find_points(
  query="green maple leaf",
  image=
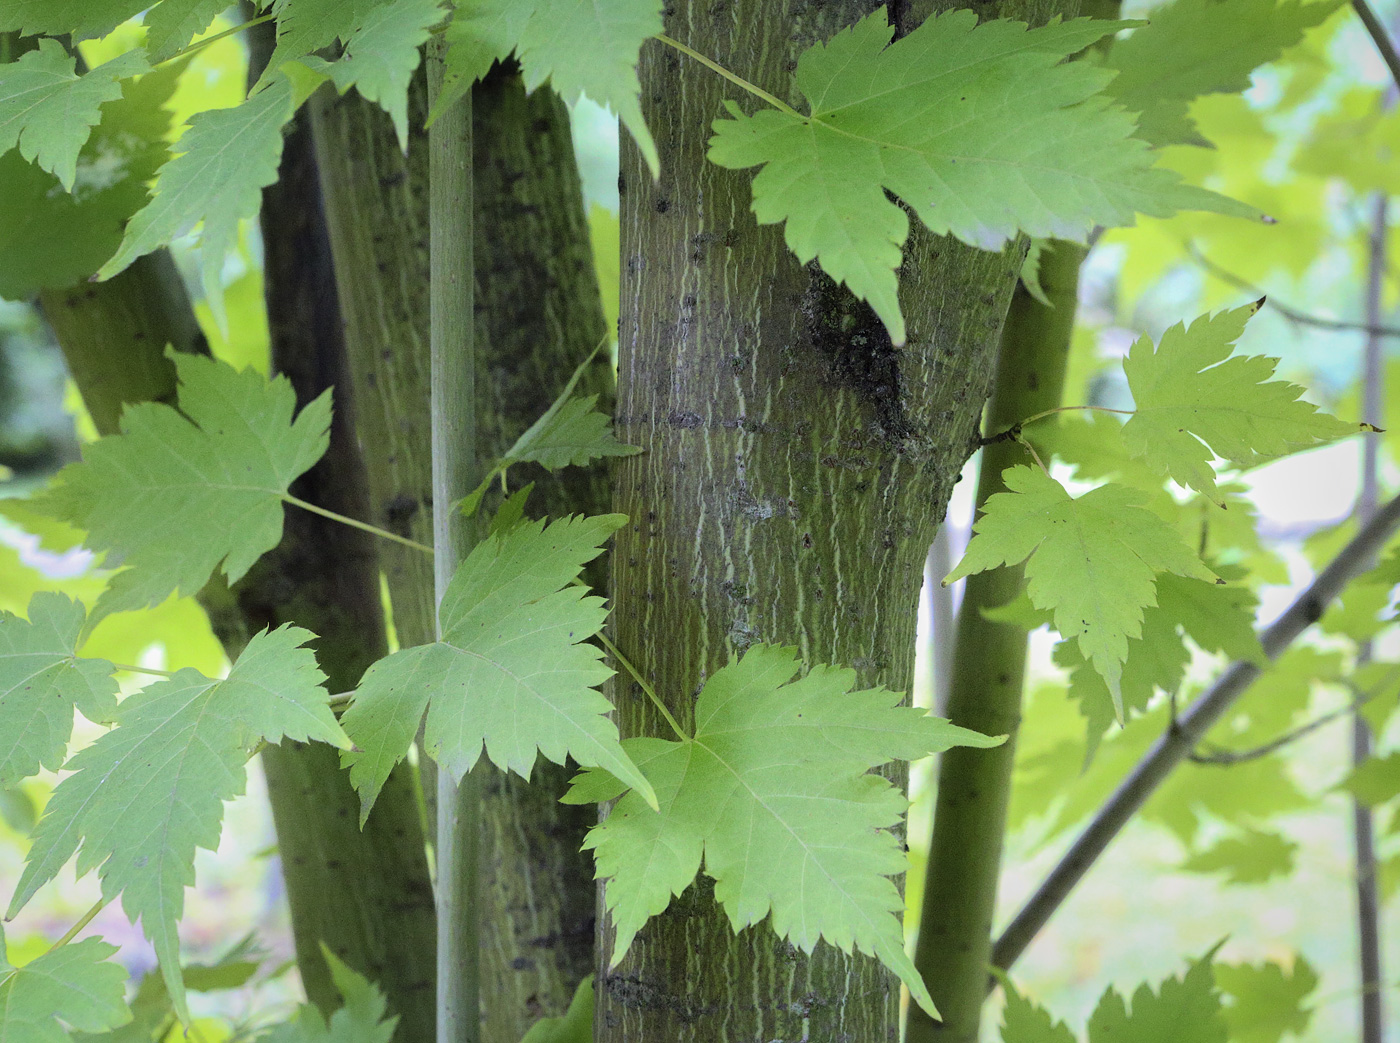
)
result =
(81, 18)
(52, 239)
(172, 24)
(773, 794)
(1197, 47)
(74, 983)
(511, 671)
(306, 26)
(382, 54)
(1376, 781)
(983, 131)
(1093, 560)
(1266, 1002)
(176, 496)
(1194, 401)
(575, 1025)
(1185, 1010)
(360, 1020)
(1251, 857)
(149, 792)
(41, 681)
(1023, 1021)
(580, 46)
(574, 434)
(227, 157)
(48, 110)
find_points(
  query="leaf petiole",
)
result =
(128, 668)
(714, 66)
(83, 921)
(363, 526)
(199, 45)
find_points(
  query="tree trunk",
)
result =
(796, 466)
(964, 865)
(538, 316)
(365, 893)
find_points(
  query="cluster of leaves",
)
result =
(967, 153)
(1266, 1002)
(513, 674)
(1100, 562)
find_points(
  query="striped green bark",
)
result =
(796, 465)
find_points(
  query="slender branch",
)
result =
(1363, 822)
(1174, 744)
(1292, 314)
(714, 66)
(1379, 37)
(1225, 758)
(365, 526)
(83, 921)
(453, 419)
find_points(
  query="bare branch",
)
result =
(1290, 313)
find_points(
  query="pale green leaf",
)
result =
(75, 985)
(228, 156)
(175, 496)
(1195, 401)
(1023, 1021)
(149, 792)
(361, 1020)
(574, 1026)
(172, 24)
(573, 435)
(1196, 47)
(511, 672)
(48, 110)
(52, 239)
(82, 18)
(1093, 560)
(382, 54)
(41, 681)
(1376, 781)
(1251, 857)
(1184, 1010)
(580, 46)
(1265, 1003)
(773, 794)
(983, 131)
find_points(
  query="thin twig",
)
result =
(1292, 314)
(1225, 758)
(143, 670)
(1175, 743)
(1379, 37)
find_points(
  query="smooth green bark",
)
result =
(538, 315)
(452, 367)
(796, 465)
(988, 674)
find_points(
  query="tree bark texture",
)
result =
(538, 314)
(364, 893)
(988, 674)
(796, 466)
